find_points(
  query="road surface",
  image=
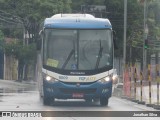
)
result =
(16, 96)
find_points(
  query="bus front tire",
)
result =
(48, 100)
(104, 101)
(88, 100)
(96, 100)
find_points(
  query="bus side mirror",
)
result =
(40, 32)
(115, 40)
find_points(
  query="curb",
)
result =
(141, 102)
(156, 107)
(149, 105)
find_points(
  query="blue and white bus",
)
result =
(76, 60)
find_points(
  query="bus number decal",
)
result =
(63, 77)
(82, 78)
(90, 78)
(87, 78)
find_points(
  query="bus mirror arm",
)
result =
(39, 40)
(115, 40)
(38, 44)
(40, 32)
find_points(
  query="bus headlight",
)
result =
(105, 80)
(50, 79)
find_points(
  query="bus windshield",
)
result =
(77, 49)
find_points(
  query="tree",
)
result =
(154, 19)
(115, 13)
(154, 27)
(1, 40)
(24, 54)
(30, 15)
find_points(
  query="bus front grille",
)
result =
(85, 91)
(82, 83)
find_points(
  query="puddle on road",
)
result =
(6, 91)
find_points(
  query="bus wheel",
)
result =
(104, 101)
(96, 100)
(48, 100)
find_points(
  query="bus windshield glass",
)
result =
(77, 49)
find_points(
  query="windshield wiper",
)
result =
(99, 55)
(68, 58)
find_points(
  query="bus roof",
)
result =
(76, 21)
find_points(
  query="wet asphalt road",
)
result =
(15, 96)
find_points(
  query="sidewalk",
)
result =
(17, 82)
(9, 87)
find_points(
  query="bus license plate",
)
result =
(77, 95)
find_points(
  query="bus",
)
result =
(76, 59)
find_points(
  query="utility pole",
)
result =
(125, 31)
(145, 36)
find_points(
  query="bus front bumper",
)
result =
(61, 90)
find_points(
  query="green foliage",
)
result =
(154, 19)
(1, 40)
(25, 54)
(16, 48)
(31, 13)
(1, 35)
(115, 13)
(26, 16)
(135, 22)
